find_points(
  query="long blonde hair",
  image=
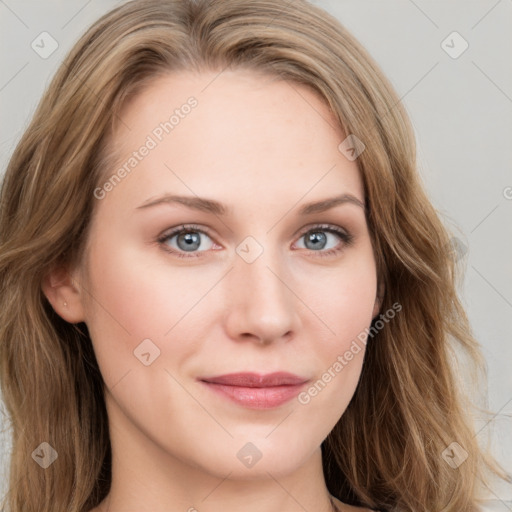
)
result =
(385, 451)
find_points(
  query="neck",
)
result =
(147, 478)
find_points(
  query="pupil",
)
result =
(191, 239)
(317, 239)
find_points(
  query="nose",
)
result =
(262, 306)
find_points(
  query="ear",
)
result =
(62, 290)
(378, 299)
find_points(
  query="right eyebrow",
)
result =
(195, 203)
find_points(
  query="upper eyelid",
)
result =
(207, 231)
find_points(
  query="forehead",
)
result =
(210, 133)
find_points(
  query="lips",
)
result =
(255, 380)
(256, 391)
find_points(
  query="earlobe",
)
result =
(62, 290)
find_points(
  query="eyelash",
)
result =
(346, 237)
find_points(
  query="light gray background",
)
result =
(461, 110)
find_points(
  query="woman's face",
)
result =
(262, 283)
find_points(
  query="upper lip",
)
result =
(255, 380)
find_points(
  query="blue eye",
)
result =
(188, 240)
(316, 239)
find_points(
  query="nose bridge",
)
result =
(262, 303)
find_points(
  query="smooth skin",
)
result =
(263, 148)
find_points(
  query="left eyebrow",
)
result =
(327, 204)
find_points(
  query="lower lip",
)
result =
(257, 398)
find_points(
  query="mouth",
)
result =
(256, 391)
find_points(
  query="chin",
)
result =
(250, 460)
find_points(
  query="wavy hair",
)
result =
(385, 452)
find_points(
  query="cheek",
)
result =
(345, 304)
(137, 296)
(344, 300)
(346, 309)
(130, 301)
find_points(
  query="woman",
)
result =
(222, 284)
